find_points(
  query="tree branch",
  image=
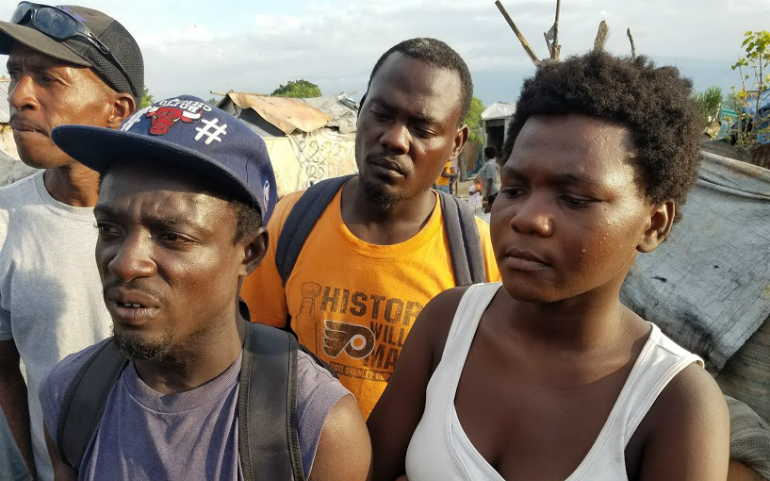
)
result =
(631, 39)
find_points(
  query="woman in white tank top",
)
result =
(547, 376)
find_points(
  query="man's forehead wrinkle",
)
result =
(168, 207)
(33, 58)
(419, 115)
(175, 207)
(431, 108)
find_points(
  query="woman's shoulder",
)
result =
(691, 396)
(687, 427)
(435, 322)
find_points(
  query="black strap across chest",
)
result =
(267, 405)
(459, 225)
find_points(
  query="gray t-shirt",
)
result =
(50, 293)
(12, 467)
(488, 172)
(189, 436)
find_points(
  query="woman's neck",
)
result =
(582, 323)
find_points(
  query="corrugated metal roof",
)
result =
(288, 114)
(5, 114)
(305, 115)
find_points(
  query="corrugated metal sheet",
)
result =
(5, 115)
(287, 114)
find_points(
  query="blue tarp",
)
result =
(764, 113)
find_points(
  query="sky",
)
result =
(197, 46)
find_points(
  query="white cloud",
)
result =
(247, 46)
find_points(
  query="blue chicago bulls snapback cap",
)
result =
(184, 131)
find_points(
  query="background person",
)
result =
(447, 177)
(50, 301)
(488, 174)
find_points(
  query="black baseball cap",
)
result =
(79, 51)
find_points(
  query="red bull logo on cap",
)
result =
(166, 113)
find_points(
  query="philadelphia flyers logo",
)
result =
(357, 341)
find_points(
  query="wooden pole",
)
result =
(601, 36)
(631, 39)
(556, 47)
(521, 38)
(548, 44)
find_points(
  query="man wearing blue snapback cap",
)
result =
(67, 65)
(186, 389)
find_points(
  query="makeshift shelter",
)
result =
(710, 281)
(495, 119)
(11, 168)
(308, 139)
(7, 143)
(708, 285)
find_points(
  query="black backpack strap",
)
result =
(243, 309)
(85, 400)
(267, 406)
(301, 220)
(464, 241)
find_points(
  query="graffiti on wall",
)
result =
(322, 155)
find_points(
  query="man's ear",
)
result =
(123, 105)
(254, 251)
(461, 137)
(660, 222)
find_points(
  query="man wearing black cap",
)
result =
(68, 65)
(184, 192)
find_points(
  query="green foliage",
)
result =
(147, 98)
(754, 71)
(212, 101)
(473, 121)
(709, 102)
(301, 89)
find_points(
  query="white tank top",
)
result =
(440, 449)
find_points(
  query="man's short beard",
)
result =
(137, 349)
(166, 350)
(384, 200)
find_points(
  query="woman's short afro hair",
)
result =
(655, 104)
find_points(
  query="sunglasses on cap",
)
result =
(60, 25)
